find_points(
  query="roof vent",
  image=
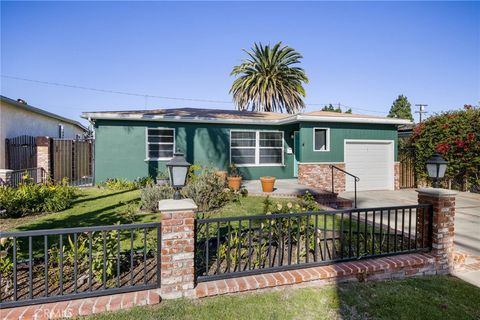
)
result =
(21, 101)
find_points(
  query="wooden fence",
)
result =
(21, 152)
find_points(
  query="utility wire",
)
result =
(112, 91)
(146, 96)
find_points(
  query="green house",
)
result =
(132, 144)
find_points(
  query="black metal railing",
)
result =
(61, 264)
(236, 246)
(31, 175)
(355, 180)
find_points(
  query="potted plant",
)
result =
(234, 179)
(267, 183)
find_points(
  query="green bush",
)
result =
(455, 135)
(207, 190)
(151, 194)
(118, 184)
(31, 198)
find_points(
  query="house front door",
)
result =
(296, 152)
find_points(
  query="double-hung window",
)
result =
(321, 139)
(256, 147)
(160, 143)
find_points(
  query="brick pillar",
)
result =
(178, 243)
(43, 153)
(443, 202)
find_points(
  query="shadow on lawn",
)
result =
(85, 198)
(102, 216)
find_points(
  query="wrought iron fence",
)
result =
(31, 175)
(61, 264)
(235, 246)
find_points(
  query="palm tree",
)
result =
(269, 81)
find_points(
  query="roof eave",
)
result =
(286, 120)
(42, 112)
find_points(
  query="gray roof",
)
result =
(234, 116)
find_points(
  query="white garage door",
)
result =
(372, 162)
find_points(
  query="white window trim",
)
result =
(147, 158)
(257, 149)
(327, 139)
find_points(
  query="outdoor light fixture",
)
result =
(436, 167)
(177, 171)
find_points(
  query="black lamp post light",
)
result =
(436, 167)
(177, 171)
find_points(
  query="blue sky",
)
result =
(361, 54)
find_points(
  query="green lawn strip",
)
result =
(439, 297)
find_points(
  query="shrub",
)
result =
(151, 194)
(207, 190)
(118, 184)
(31, 198)
(304, 203)
(455, 135)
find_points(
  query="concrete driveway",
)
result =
(467, 213)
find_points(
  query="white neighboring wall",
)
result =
(17, 121)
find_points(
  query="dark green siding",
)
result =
(338, 133)
(120, 148)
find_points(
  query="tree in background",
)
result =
(331, 108)
(401, 108)
(456, 136)
(269, 80)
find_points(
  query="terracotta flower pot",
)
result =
(222, 175)
(267, 183)
(234, 183)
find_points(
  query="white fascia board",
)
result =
(353, 120)
(139, 117)
(286, 120)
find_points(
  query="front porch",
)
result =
(292, 188)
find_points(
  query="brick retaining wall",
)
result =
(394, 267)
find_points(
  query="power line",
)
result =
(112, 91)
(147, 96)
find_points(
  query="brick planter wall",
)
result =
(395, 267)
(319, 175)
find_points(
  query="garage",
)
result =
(372, 161)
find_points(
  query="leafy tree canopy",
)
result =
(269, 80)
(401, 108)
(331, 108)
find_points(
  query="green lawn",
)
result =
(97, 207)
(439, 297)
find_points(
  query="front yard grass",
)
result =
(98, 207)
(438, 297)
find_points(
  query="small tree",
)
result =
(401, 108)
(456, 136)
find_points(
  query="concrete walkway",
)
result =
(282, 188)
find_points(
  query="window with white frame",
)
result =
(321, 139)
(256, 147)
(160, 143)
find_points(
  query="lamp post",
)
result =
(177, 171)
(436, 167)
